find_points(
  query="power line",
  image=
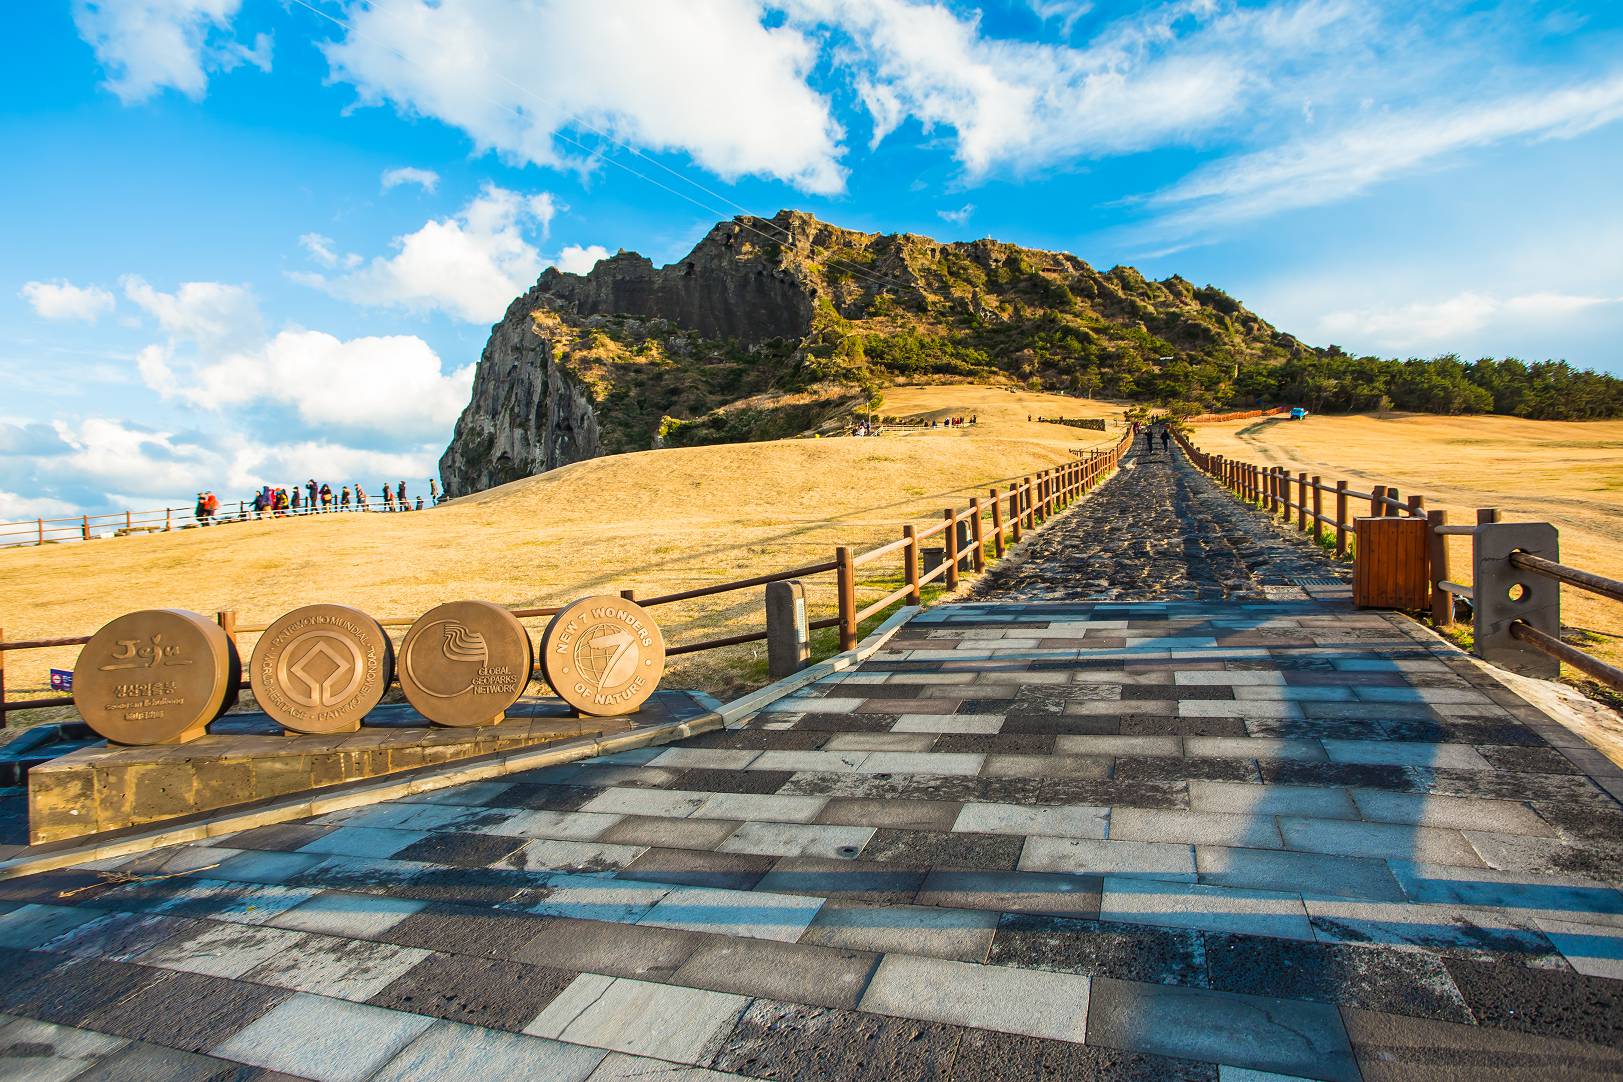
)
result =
(856, 269)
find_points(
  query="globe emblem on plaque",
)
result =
(607, 655)
(461, 651)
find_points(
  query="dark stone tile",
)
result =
(465, 886)
(1354, 775)
(804, 973)
(1170, 768)
(545, 797)
(66, 887)
(1394, 1048)
(1507, 785)
(996, 743)
(1127, 792)
(761, 782)
(618, 950)
(1529, 760)
(1506, 735)
(903, 814)
(1550, 1003)
(479, 932)
(19, 968)
(698, 868)
(881, 691)
(660, 833)
(753, 739)
(1157, 725)
(1043, 893)
(846, 880)
(921, 787)
(790, 1043)
(1136, 952)
(985, 1056)
(939, 849)
(490, 992)
(993, 789)
(1291, 1037)
(188, 1011)
(845, 723)
(1591, 820)
(1402, 982)
(461, 850)
(985, 706)
(281, 837)
(1061, 725)
(74, 992)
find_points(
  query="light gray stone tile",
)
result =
(756, 914)
(1080, 856)
(1595, 950)
(1055, 821)
(826, 761)
(562, 825)
(222, 950)
(1118, 745)
(937, 763)
(948, 723)
(1459, 813)
(324, 1039)
(619, 1067)
(921, 930)
(914, 742)
(1047, 766)
(1029, 1002)
(1555, 897)
(345, 968)
(29, 926)
(670, 803)
(797, 840)
(1194, 827)
(591, 897)
(1305, 873)
(1405, 753)
(1223, 708)
(1220, 678)
(34, 1051)
(358, 916)
(547, 854)
(1243, 798)
(1427, 927)
(374, 842)
(761, 806)
(663, 1021)
(453, 1050)
(1205, 908)
(1427, 845)
(705, 758)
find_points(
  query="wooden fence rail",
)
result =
(1021, 507)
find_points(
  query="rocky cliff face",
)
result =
(769, 325)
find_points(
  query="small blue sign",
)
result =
(61, 679)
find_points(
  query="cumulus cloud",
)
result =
(212, 316)
(470, 265)
(149, 45)
(323, 250)
(575, 259)
(1428, 323)
(14, 507)
(65, 301)
(709, 79)
(959, 216)
(426, 179)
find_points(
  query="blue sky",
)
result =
(250, 241)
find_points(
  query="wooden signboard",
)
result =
(1390, 569)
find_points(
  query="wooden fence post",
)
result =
(1014, 512)
(997, 525)
(1417, 506)
(1318, 508)
(2, 681)
(1442, 602)
(227, 619)
(1301, 501)
(910, 553)
(84, 527)
(845, 574)
(1377, 507)
(1341, 518)
(975, 537)
(168, 519)
(1393, 499)
(950, 539)
(1487, 515)
(40, 524)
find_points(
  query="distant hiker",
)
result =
(201, 511)
(388, 498)
(211, 504)
(326, 497)
(312, 487)
(419, 503)
(295, 503)
(400, 495)
(259, 504)
(1149, 441)
(343, 499)
(433, 490)
(1165, 439)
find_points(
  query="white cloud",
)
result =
(426, 179)
(470, 265)
(575, 259)
(959, 216)
(212, 316)
(64, 300)
(323, 250)
(148, 45)
(1427, 324)
(706, 78)
(1317, 170)
(14, 507)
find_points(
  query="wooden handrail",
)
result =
(1610, 675)
(1572, 576)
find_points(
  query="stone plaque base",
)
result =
(108, 787)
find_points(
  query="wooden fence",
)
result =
(1243, 415)
(1303, 500)
(41, 531)
(995, 522)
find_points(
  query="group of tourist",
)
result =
(315, 497)
(953, 422)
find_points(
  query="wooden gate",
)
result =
(1390, 566)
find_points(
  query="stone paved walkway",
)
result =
(1158, 529)
(1187, 839)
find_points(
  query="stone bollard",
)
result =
(788, 636)
(934, 557)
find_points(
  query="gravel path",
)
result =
(1157, 530)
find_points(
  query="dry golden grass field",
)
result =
(654, 521)
(1569, 473)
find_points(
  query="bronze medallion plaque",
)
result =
(603, 655)
(321, 668)
(155, 677)
(465, 663)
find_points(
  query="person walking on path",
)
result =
(1166, 439)
(343, 499)
(400, 496)
(360, 496)
(388, 498)
(433, 491)
(1149, 441)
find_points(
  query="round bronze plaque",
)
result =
(321, 668)
(603, 655)
(465, 663)
(155, 677)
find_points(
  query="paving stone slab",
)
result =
(1235, 798)
(802, 972)
(753, 914)
(670, 1022)
(617, 950)
(455, 1050)
(1548, 1002)
(1099, 949)
(1207, 908)
(479, 932)
(794, 1041)
(1036, 1004)
(1057, 894)
(922, 847)
(698, 868)
(1079, 856)
(1395, 1048)
(545, 854)
(1431, 845)
(489, 992)
(345, 968)
(46, 1052)
(324, 1039)
(1306, 873)
(937, 815)
(1051, 821)
(850, 880)
(797, 840)
(924, 931)
(185, 1011)
(1438, 928)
